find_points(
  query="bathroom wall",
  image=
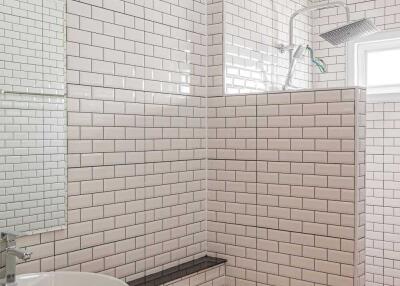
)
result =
(215, 49)
(252, 31)
(382, 200)
(136, 78)
(285, 199)
(278, 208)
(385, 14)
(381, 236)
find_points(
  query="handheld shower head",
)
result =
(299, 53)
(349, 32)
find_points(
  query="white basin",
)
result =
(67, 279)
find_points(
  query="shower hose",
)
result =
(317, 61)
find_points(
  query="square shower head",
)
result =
(350, 32)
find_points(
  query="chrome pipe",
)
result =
(305, 10)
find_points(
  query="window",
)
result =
(383, 68)
(374, 63)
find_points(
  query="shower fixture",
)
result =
(342, 34)
(298, 54)
(349, 32)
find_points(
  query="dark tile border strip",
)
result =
(178, 271)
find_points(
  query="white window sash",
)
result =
(357, 59)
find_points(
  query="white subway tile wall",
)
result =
(252, 31)
(282, 169)
(384, 13)
(215, 49)
(33, 148)
(32, 49)
(374, 200)
(282, 187)
(174, 179)
(136, 76)
(382, 204)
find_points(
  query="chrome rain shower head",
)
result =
(350, 32)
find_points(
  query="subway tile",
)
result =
(112, 120)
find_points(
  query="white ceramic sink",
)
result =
(67, 279)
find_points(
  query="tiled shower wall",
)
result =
(383, 202)
(252, 31)
(360, 187)
(136, 78)
(136, 109)
(374, 201)
(254, 28)
(283, 187)
(385, 14)
(215, 49)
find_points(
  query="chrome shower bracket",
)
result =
(284, 48)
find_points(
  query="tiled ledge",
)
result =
(177, 272)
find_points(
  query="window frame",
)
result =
(357, 69)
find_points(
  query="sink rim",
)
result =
(54, 274)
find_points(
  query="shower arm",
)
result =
(310, 9)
